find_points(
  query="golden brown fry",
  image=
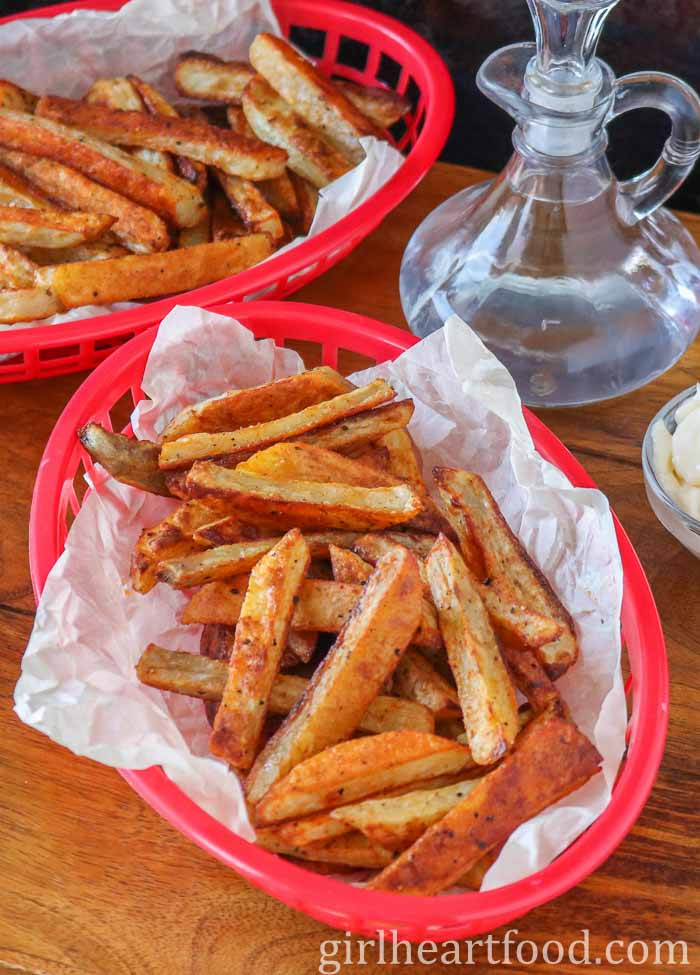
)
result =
(310, 830)
(416, 680)
(152, 275)
(261, 636)
(349, 433)
(351, 770)
(257, 404)
(97, 250)
(307, 200)
(152, 187)
(281, 195)
(308, 504)
(16, 191)
(50, 228)
(302, 644)
(397, 821)
(171, 538)
(190, 447)
(382, 106)
(402, 461)
(276, 123)
(204, 677)
(155, 103)
(206, 76)
(230, 560)
(16, 269)
(485, 690)
(27, 305)
(223, 531)
(353, 849)
(189, 137)
(552, 759)
(133, 462)
(507, 562)
(139, 229)
(251, 206)
(12, 96)
(120, 93)
(348, 567)
(532, 681)
(319, 102)
(362, 658)
(302, 461)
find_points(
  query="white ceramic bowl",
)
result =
(678, 522)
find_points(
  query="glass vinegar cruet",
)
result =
(583, 286)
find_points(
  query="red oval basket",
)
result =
(51, 350)
(336, 903)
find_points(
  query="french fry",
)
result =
(223, 531)
(12, 96)
(133, 462)
(204, 677)
(277, 124)
(319, 102)
(485, 690)
(308, 504)
(171, 538)
(96, 250)
(302, 643)
(16, 269)
(416, 680)
(323, 606)
(551, 760)
(50, 228)
(353, 849)
(207, 77)
(251, 206)
(302, 461)
(281, 194)
(349, 433)
(139, 229)
(355, 769)
(152, 187)
(233, 154)
(402, 462)
(261, 636)
(307, 201)
(396, 822)
(152, 275)
(531, 679)
(348, 567)
(308, 831)
(350, 677)
(195, 446)
(155, 103)
(225, 222)
(16, 191)
(257, 404)
(506, 561)
(225, 561)
(120, 93)
(27, 305)
(382, 106)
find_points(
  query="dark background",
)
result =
(662, 35)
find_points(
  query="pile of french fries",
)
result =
(362, 642)
(123, 196)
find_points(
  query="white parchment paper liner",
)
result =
(78, 683)
(63, 55)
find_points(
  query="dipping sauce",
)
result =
(677, 456)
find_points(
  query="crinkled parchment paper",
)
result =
(78, 683)
(63, 55)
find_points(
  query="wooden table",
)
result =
(95, 883)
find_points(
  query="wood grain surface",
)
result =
(95, 883)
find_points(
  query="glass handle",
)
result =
(641, 195)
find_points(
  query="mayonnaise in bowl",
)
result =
(676, 455)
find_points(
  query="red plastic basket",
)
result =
(394, 52)
(336, 903)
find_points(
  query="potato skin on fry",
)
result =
(350, 433)
(50, 228)
(551, 760)
(257, 404)
(382, 106)
(261, 636)
(342, 688)
(205, 76)
(152, 275)
(131, 461)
